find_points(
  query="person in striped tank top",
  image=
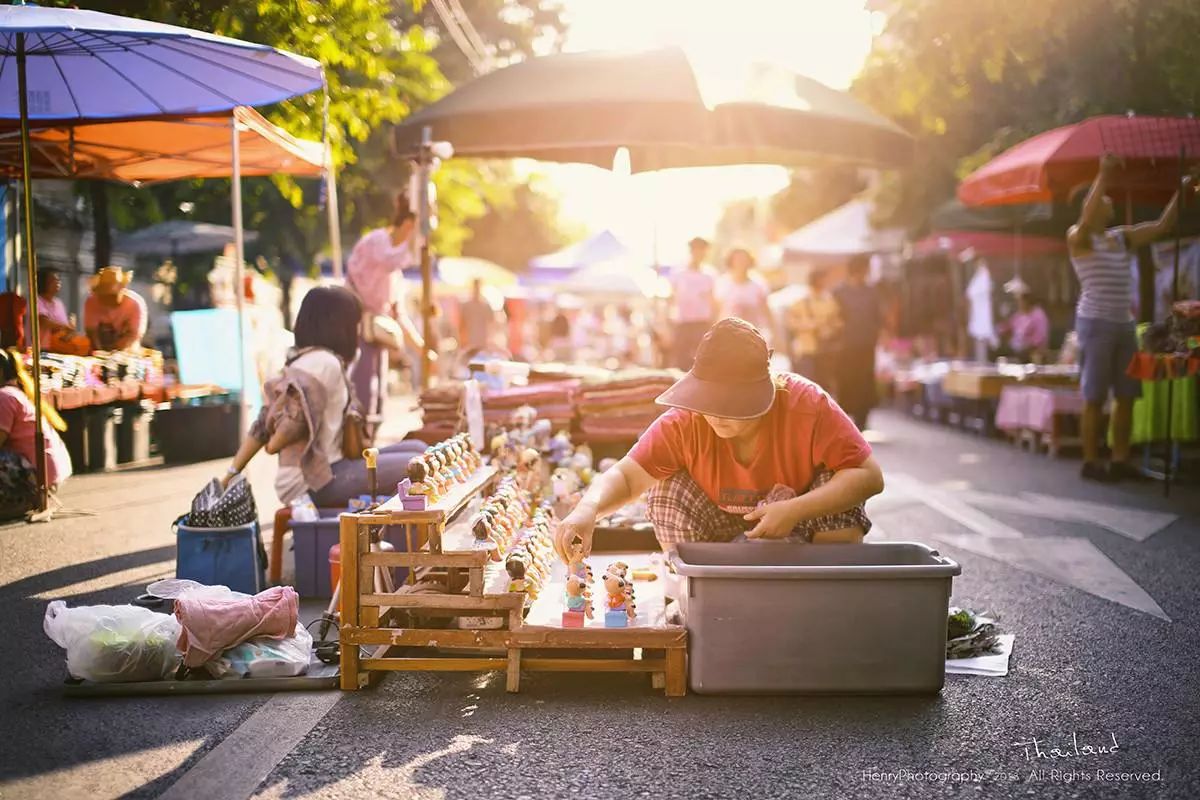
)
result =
(1103, 260)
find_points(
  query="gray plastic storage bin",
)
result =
(769, 617)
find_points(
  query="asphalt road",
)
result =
(1084, 666)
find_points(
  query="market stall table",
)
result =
(1041, 416)
(493, 631)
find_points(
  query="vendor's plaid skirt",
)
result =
(681, 512)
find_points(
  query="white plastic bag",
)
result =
(175, 588)
(263, 657)
(114, 644)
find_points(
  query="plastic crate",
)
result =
(311, 542)
(221, 556)
(771, 617)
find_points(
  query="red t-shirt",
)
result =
(805, 428)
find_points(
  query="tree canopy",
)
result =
(972, 78)
(382, 60)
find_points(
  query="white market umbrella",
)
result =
(67, 65)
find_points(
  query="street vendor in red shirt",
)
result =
(741, 453)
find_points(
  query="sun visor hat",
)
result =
(731, 376)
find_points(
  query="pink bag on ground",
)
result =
(212, 625)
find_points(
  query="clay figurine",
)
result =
(516, 574)
(577, 605)
(418, 477)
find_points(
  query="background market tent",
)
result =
(157, 150)
(617, 280)
(846, 231)
(599, 248)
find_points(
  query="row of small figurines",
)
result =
(440, 467)
(620, 607)
(502, 515)
(530, 558)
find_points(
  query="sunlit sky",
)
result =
(824, 39)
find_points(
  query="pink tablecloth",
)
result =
(1034, 407)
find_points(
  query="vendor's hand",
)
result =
(775, 520)
(579, 524)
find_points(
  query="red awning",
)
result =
(149, 151)
(1058, 164)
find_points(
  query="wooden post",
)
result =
(513, 680)
(348, 534)
(368, 616)
(676, 672)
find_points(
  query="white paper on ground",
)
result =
(995, 665)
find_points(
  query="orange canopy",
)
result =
(149, 151)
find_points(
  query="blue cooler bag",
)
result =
(221, 556)
(219, 542)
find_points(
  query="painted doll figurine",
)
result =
(470, 456)
(516, 574)
(620, 609)
(577, 567)
(418, 474)
(529, 471)
(577, 606)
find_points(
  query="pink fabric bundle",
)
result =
(211, 626)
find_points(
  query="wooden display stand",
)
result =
(535, 642)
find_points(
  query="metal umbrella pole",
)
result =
(425, 229)
(1168, 457)
(239, 246)
(39, 437)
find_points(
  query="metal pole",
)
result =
(424, 228)
(1168, 456)
(335, 224)
(239, 280)
(39, 439)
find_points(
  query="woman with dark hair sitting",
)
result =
(18, 456)
(306, 406)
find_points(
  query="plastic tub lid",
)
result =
(784, 560)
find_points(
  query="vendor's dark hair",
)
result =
(329, 317)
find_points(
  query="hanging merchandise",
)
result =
(114, 644)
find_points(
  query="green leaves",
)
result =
(968, 77)
(382, 60)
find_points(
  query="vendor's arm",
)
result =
(848, 488)
(1089, 214)
(248, 449)
(622, 483)
(1149, 232)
